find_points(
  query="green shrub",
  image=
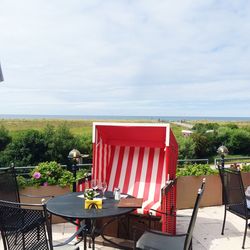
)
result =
(51, 173)
(196, 170)
(203, 127)
(245, 168)
(28, 147)
(82, 174)
(186, 148)
(59, 141)
(5, 138)
(23, 182)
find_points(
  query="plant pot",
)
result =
(246, 178)
(187, 188)
(95, 203)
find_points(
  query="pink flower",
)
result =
(45, 184)
(36, 175)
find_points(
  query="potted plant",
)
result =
(90, 200)
(90, 194)
(48, 178)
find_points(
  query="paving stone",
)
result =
(207, 232)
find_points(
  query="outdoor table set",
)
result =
(71, 207)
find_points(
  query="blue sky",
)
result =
(127, 57)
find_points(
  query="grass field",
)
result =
(240, 124)
(81, 127)
(77, 127)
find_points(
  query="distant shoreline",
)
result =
(117, 117)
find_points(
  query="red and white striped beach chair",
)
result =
(139, 159)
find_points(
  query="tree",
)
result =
(232, 125)
(223, 136)
(5, 138)
(27, 148)
(86, 144)
(186, 148)
(203, 127)
(239, 142)
(201, 145)
(59, 142)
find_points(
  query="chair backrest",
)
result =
(232, 185)
(24, 226)
(8, 185)
(168, 194)
(194, 216)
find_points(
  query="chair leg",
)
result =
(223, 226)
(134, 239)
(191, 245)
(85, 241)
(245, 234)
(93, 243)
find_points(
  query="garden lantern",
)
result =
(222, 151)
(74, 156)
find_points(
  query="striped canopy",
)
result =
(138, 158)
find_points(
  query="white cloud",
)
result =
(125, 57)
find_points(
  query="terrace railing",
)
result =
(25, 170)
(233, 160)
(192, 161)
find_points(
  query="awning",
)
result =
(132, 134)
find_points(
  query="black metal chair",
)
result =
(234, 197)
(8, 185)
(156, 240)
(9, 190)
(26, 226)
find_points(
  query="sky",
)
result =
(125, 57)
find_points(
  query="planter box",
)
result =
(246, 179)
(187, 187)
(46, 191)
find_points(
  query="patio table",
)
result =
(71, 207)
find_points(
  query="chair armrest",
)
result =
(166, 234)
(37, 196)
(81, 228)
(44, 198)
(169, 185)
(174, 215)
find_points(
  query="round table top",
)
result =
(71, 206)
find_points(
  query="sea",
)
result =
(119, 117)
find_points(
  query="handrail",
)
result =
(85, 165)
(194, 160)
(216, 160)
(25, 170)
